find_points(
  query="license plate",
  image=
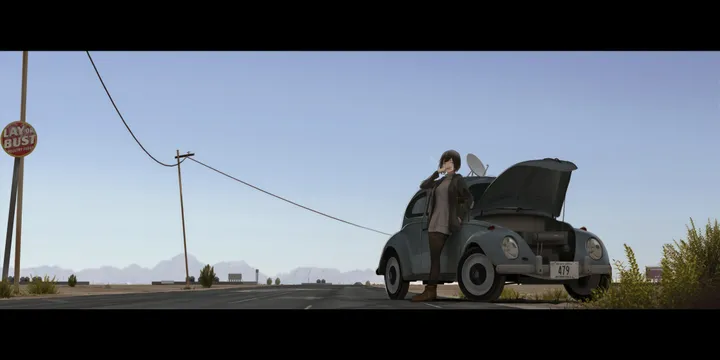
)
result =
(564, 270)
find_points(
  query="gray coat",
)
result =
(458, 195)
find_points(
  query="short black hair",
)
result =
(451, 155)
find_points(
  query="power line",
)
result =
(210, 167)
(286, 200)
(120, 114)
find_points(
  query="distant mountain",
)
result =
(174, 269)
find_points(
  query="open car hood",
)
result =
(534, 185)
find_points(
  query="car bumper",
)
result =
(543, 271)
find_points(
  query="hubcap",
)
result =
(478, 274)
(392, 275)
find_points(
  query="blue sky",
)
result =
(351, 134)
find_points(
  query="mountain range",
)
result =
(174, 269)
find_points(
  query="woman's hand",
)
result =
(446, 166)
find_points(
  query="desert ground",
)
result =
(83, 290)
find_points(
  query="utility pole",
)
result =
(16, 192)
(21, 170)
(11, 220)
(182, 214)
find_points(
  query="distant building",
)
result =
(653, 273)
(234, 277)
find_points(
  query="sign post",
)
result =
(11, 221)
(18, 140)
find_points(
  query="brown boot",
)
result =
(429, 294)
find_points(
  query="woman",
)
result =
(450, 201)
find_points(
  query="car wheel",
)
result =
(395, 287)
(583, 289)
(477, 278)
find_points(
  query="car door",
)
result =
(448, 260)
(424, 245)
(414, 216)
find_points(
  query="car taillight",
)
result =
(583, 228)
(491, 227)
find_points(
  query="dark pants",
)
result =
(437, 242)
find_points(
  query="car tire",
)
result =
(395, 287)
(477, 277)
(582, 289)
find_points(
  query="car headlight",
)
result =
(510, 248)
(594, 249)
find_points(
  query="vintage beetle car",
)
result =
(511, 235)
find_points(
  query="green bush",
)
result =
(42, 286)
(367, 283)
(691, 267)
(690, 274)
(207, 276)
(277, 281)
(72, 280)
(6, 290)
(269, 281)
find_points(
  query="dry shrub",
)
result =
(510, 294)
(42, 286)
(72, 280)
(553, 296)
(6, 290)
(690, 277)
(207, 276)
(632, 291)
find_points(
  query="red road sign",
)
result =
(18, 139)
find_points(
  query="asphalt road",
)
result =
(281, 297)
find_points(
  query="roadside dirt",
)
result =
(84, 290)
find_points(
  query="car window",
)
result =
(477, 191)
(417, 205)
